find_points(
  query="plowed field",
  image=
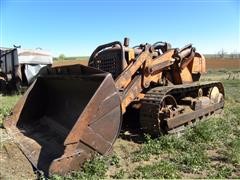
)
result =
(211, 63)
(223, 63)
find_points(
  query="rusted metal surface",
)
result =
(65, 116)
(148, 62)
(70, 112)
(184, 118)
(155, 122)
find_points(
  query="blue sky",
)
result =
(76, 27)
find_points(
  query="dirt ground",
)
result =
(69, 62)
(13, 163)
(215, 63)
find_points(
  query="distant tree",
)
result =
(222, 53)
(61, 57)
(235, 54)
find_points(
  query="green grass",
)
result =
(193, 160)
(120, 174)
(6, 105)
(92, 169)
(95, 168)
(162, 169)
(222, 74)
(158, 146)
(221, 172)
(233, 151)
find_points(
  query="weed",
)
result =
(233, 151)
(95, 168)
(221, 172)
(158, 170)
(204, 132)
(151, 147)
(114, 160)
(56, 177)
(119, 175)
(158, 146)
(193, 160)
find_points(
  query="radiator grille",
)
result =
(110, 62)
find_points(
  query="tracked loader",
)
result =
(71, 112)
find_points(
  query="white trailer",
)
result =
(18, 67)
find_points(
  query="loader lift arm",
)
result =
(149, 70)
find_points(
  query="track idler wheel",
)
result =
(215, 95)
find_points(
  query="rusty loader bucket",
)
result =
(67, 114)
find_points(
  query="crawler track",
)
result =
(150, 117)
